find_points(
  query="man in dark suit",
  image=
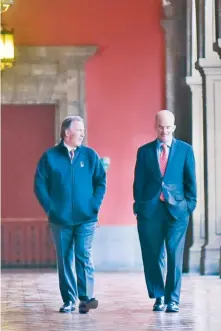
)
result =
(165, 195)
(70, 184)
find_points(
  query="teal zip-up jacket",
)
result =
(70, 192)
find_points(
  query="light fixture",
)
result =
(5, 4)
(7, 54)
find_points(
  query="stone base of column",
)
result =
(210, 258)
(194, 259)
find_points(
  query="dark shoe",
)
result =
(67, 307)
(85, 306)
(172, 307)
(159, 305)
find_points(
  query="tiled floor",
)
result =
(31, 299)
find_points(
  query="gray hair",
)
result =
(67, 123)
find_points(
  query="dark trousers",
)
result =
(155, 234)
(73, 251)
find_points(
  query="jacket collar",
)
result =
(62, 145)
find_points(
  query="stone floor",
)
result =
(30, 301)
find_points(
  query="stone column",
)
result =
(217, 45)
(168, 24)
(194, 81)
(218, 49)
(177, 92)
(211, 73)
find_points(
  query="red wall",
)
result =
(125, 79)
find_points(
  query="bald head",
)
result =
(165, 126)
(165, 115)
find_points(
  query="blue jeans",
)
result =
(73, 245)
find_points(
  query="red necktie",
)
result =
(163, 164)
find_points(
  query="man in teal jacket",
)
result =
(70, 184)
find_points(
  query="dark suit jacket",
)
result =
(178, 184)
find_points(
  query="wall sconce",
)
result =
(5, 5)
(7, 53)
(106, 162)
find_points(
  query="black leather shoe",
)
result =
(172, 307)
(85, 306)
(67, 307)
(159, 305)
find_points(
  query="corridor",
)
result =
(31, 299)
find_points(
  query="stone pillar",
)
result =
(178, 94)
(168, 23)
(217, 45)
(211, 73)
(218, 49)
(194, 81)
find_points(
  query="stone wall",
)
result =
(53, 75)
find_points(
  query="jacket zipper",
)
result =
(72, 195)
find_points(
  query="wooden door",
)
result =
(26, 131)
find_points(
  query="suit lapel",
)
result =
(171, 156)
(153, 152)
